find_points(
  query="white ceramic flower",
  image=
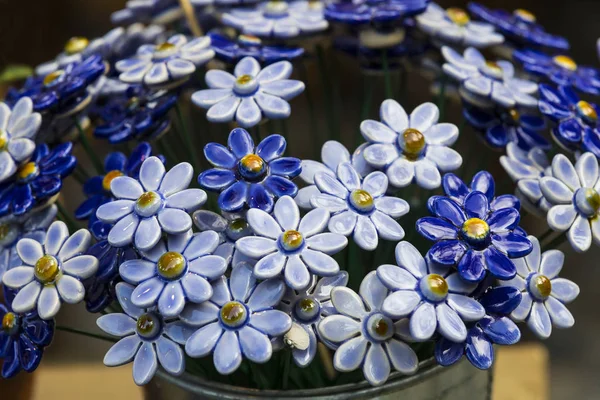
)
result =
(51, 273)
(290, 245)
(156, 202)
(414, 148)
(18, 129)
(359, 207)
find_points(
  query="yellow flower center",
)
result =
(166, 46)
(27, 170)
(146, 199)
(543, 285)
(414, 143)
(148, 325)
(586, 111)
(52, 76)
(252, 163)
(243, 79)
(9, 322)
(108, 178)
(4, 231)
(46, 269)
(238, 225)
(291, 240)
(593, 198)
(362, 200)
(475, 228)
(458, 16)
(171, 265)
(3, 140)
(515, 116)
(76, 45)
(233, 313)
(565, 62)
(307, 305)
(437, 284)
(493, 65)
(525, 15)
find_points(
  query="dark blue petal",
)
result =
(447, 252)
(430, 202)
(271, 147)
(497, 136)
(219, 156)
(234, 197)
(93, 186)
(435, 229)
(528, 139)
(512, 244)
(483, 182)
(286, 166)
(501, 300)
(45, 186)
(216, 179)
(136, 158)
(40, 332)
(568, 94)
(505, 201)
(61, 166)
(240, 142)
(501, 330)
(258, 197)
(115, 161)
(478, 118)
(554, 111)
(569, 132)
(23, 199)
(99, 229)
(448, 352)
(88, 207)
(479, 349)
(446, 208)
(5, 344)
(591, 141)
(471, 266)
(11, 365)
(30, 355)
(454, 187)
(505, 219)
(60, 151)
(549, 94)
(476, 205)
(280, 186)
(499, 264)
(532, 122)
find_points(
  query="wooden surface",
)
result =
(521, 373)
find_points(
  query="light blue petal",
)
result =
(202, 243)
(227, 356)
(377, 365)
(559, 314)
(55, 237)
(115, 210)
(124, 187)
(117, 324)
(170, 356)
(197, 289)
(255, 345)
(402, 356)
(286, 89)
(539, 321)
(198, 315)
(248, 113)
(145, 364)
(204, 340)
(70, 289)
(338, 328)
(171, 300)
(266, 295)
(247, 66)
(209, 97)
(174, 221)
(124, 292)
(82, 267)
(123, 351)
(272, 106)
(224, 110)
(271, 322)
(274, 72)
(146, 294)
(350, 355)
(219, 79)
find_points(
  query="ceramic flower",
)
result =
(249, 94)
(485, 83)
(367, 337)
(166, 65)
(238, 322)
(434, 299)
(520, 26)
(308, 307)
(32, 225)
(577, 127)
(285, 244)
(495, 328)
(573, 192)
(376, 12)
(454, 26)
(162, 12)
(175, 272)
(38, 181)
(18, 129)
(247, 176)
(560, 69)
(146, 339)
(358, 206)
(411, 148)
(233, 50)
(544, 294)
(51, 274)
(23, 337)
(278, 18)
(474, 238)
(156, 202)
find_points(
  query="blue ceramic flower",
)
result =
(38, 181)
(238, 322)
(501, 127)
(411, 149)
(359, 206)
(23, 338)
(174, 272)
(486, 83)
(32, 225)
(249, 94)
(146, 339)
(520, 26)
(493, 329)
(161, 12)
(367, 337)
(373, 11)
(232, 51)
(573, 192)
(544, 294)
(156, 202)
(560, 69)
(166, 65)
(247, 176)
(18, 129)
(473, 237)
(307, 308)
(577, 126)
(433, 298)
(454, 26)
(289, 246)
(51, 274)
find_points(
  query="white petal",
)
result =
(48, 303)
(347, 302)
(263, 224)
(424, 117)
(286, 213)
(365, 234)
(338, 328)
(423, 322)
(70, 289)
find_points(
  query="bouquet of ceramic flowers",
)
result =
(221, 265)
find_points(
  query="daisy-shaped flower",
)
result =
(23, 337)
(454, 26)
(560, 69)
(433, 298)
(376, 12)
(367, 336)
(174, 272)
(577, 127)
(38, 181)
(288, 245)
(308, 307)
(359, 207)
(238, 321)
(161, 12)
(544, 294)
(278, 18)
(411, 148)
(247, 176)
(166, 65)
(156, 202)
(32, 225)
(573, 191)
(520, 26)
(51, 274)
(249, 94)
(232, 50)
(474, 238)
(146, 339)
(485, 83)
(18, 129)
(495, 328)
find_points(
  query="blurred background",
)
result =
(32, 32)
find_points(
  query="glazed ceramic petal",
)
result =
(338, 328)
(350, 355)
